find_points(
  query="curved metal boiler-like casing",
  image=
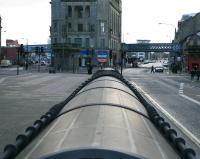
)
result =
(102, 124)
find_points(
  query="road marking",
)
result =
(178, 124)
(190, 99)
(2, 79)
(180, 91)
(186, 97)
(181, 88)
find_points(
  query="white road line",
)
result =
(190, 99)
(179, 125)
(181, 88)
(186, 97)
(181, 85)
(2, 79)
(180, 91)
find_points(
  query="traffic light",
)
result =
(42, 50)
(21, 49)
(110, 54)
(36, 50)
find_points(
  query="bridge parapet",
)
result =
(152, 47)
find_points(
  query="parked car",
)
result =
(43, 63)
(165, 63)
(159, 69)
(5, 63)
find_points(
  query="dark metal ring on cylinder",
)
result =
(179, 143)
(188, 153)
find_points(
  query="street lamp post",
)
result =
(174, 27)
(27, 54)
(19, 52)
(0, 36)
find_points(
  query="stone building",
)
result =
(81, 28)
(188, 35)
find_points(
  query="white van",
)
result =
(5, 63)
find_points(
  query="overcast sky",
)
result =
(30, 19)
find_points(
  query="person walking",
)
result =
(198, 74)
(152, 69)
(192, 73)
(26, 66)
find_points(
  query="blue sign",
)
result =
(84, 52)
(102, 54)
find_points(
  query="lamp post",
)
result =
(123, 39)
(0, 36)
(174, 27)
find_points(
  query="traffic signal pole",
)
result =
(39, 51)
(20, 52)
(18, 63)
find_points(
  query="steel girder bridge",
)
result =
(152, 47)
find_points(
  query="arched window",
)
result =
(69, 11)
(79, 12)
(87, 11)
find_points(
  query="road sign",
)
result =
(102, 56)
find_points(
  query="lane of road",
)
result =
(24, 98)
(176, 96)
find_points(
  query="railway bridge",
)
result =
(151, 47)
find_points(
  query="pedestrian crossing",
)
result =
(181, 88)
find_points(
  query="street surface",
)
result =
(24, 98)
(175, 96)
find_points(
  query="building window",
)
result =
(79, 11)
(69, 40)
(55, 27)
(69, 26)
(64, 30)
(88, 27)
(102, 44)
(92, 28)
(87, 11)
(87, 42)
(80, 27)
(78, 41)
(55, 40)
(102, 27)
(69, 11)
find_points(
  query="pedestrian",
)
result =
(59, 67)
(152, 69)
(198, 74)
(26, 66)
(89, 67)
(192, 73)
(101, 65)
